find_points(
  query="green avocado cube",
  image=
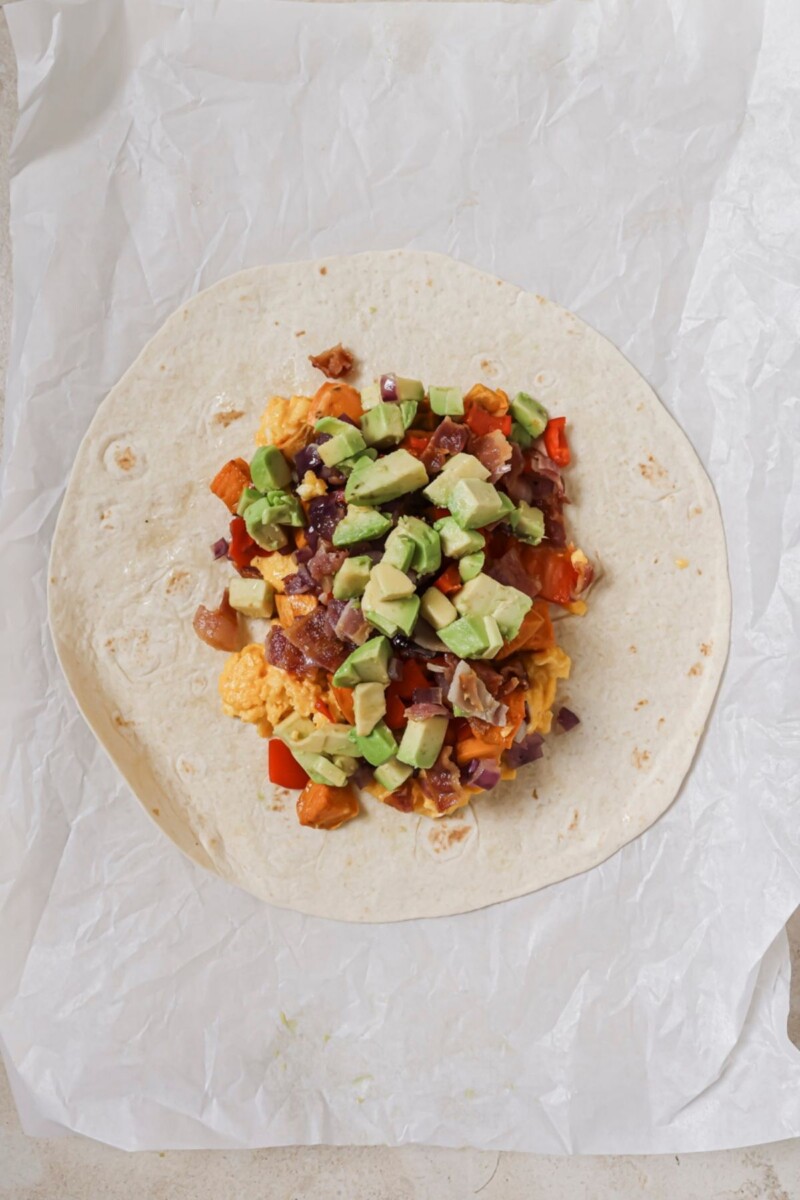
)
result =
(399, 549)
(294, 729)
(264, 532)
(370, 396)
(529, 413)
(408, 389)
(436, 609)
(520, 435)
(360, 525)
(460, 466)
(422, 741)
(357, 462)
(269, 469)
(383, 425)
(342, 445)
(369, 703)
(408, 411)
(369, 662)
(392, 774)
(471, 565)
(456, 542)
(388, 583)
(251, 597)
(446, 401)
(333, 426)
(387, 478)
(376, 747)
(494, 638)
(346, 762)
(475, 503)
(283, 508)
(528, 523)
(248, 497)
(467, 637)
(427, 544)
(352, 577)
(320, 769)
(391, 616)
(484, 596)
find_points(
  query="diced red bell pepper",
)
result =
(436, 514)
(242, 549)
(284, 769)
(415, 442)
(480, 421)
(413, 677)
(450, 580)
(555, 571)
(555, 441)
(395, 709)
(322, 707)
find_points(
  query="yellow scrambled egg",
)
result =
(545, 668)
(255, 691)
(285, 424)
(274, 568)
(311, 486)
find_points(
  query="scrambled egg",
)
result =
(285, 424)
(311, 486)
(260, 694)
(275, 567)
(545, 668)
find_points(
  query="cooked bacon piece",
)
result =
(315, 639)
(442, 783)
(350, 623)
(281, 653)
(494, 451)
(510, 570)
(218, 627)
(334, 362)
(448, 440)
(325, 807)
(469, 693)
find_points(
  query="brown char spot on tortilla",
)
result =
(640, 758)
(705, 648)
(125, 459)
(228, 417)
(695, 669)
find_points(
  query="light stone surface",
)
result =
(79, 1169)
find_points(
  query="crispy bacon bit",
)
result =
(442, 783)
(510, 570)
(402, 799)
(351, 625)
(448, 440)
(471, 695)
(218, 627)
(334, 363)
(314, 637)
(281, 653)
(494, 451)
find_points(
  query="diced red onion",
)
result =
(307, 459)
(220, 548)
(432, 695)
(388, 387)
(524, 752)
(301, 583)
(566, 719)
(363, 776)
(483, 773)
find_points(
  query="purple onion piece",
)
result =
(307, 459)
(304, 554)
(300, 584)
(432, 695)
(220, 548)
(483, 773)
(566, 719)
(524, 752)
(388, 387)
(363, 776)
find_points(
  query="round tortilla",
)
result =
(131, 561)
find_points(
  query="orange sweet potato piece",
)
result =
(325, 807)
(291, 607)
(335, 400)
(230, 482)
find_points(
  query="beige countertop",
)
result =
(75, 1168)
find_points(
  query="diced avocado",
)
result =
(391, 616)
(383, 425)
(320, 769)
(253, 597)
(248, 497)
(456, 542)
(370, 396)
(508, 505)
(346, 763)
(529, 413)
(427, 556)
(293, 728)
(336, 738)
(528, 523)
(283, 508)
(408, 389)
(352, 577)
(422, 741)
(267, 535)
(408, 411)
(333, 426)
(369, 702)
(484, 596)
(467, 637)
(446, 401)
(300, 734)
(369, 663)
(494, 637)
(342, 445)
(388, 583)
(269, 469)
(378, 746)
(471, 565)
(520, 435)
(460, 466)
(360, 525)
(436, 609)
(474, 503)
(357, 462)
(392, 774)
(386, 479)
(399, 549)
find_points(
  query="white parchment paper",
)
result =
(634, 162)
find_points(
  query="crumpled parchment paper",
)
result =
(634, 162)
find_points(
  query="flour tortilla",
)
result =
(131, 561)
